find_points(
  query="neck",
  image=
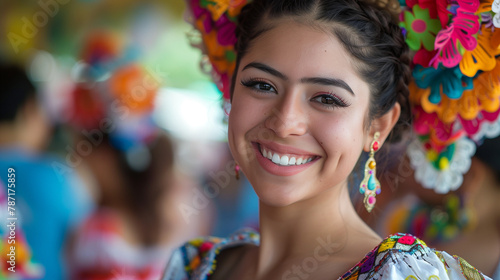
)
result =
(298, 230)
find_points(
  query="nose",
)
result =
(288, 117)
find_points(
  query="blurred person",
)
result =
(465, 222)
(138, 221)
(141, 192)
(48, 203)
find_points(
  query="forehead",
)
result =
(300, 50)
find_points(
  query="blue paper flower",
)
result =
(449, 81)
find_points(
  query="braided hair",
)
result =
(368, 30)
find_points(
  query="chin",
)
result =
(278, 196)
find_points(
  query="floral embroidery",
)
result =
(469, 272)
(432, 277)
(378, 257)
(394, 249)
(407, 240)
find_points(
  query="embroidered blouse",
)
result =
(400, 256)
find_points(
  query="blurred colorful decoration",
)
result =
(22, 29)
(129, 84)
(114, 262)
(455, 90)
(216, 22)
(435, 223)
(115, 93)
(17, 263)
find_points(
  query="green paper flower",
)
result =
(421, 28)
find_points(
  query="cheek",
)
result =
(242, 119)
(342, 140)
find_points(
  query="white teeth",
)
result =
(269, 155)
(276, 158)
(284, 160)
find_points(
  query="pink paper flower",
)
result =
(462, 29)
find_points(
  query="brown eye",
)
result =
(259, 86)
(264, 87)
(327, 99)
(330, 100)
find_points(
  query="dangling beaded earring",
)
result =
(237, 171)
(370, 186)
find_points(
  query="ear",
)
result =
(383, 125)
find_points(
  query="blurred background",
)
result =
(116, 137)
(113, 150)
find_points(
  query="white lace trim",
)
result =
(488, 130)
(495, 8)
(445, 180)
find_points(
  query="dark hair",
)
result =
(15, 91)
(489, 153)
(368, 32)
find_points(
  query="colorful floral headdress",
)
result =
(216, 22)
(455, 91)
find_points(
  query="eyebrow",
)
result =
(313, 80)
(328, 82)
(266, 69)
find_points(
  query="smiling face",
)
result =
(298, 115)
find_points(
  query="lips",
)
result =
(283, 160)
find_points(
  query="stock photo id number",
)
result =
(11, 219)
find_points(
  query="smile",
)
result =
(284, 159)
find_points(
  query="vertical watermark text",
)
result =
(12, 219)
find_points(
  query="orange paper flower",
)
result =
(483, 56)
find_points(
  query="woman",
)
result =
(316, 83)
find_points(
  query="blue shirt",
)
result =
(50, 202)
